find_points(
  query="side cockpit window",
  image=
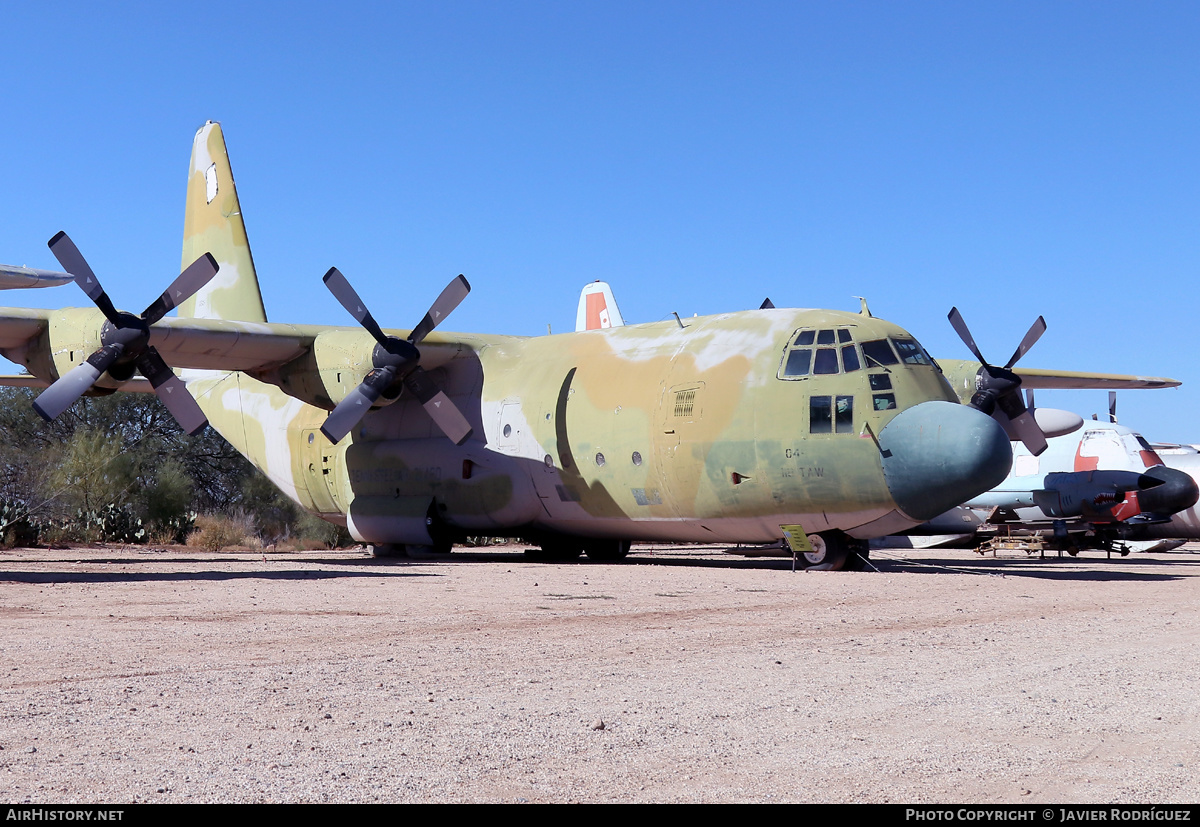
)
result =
(910, 352)
(878, 353)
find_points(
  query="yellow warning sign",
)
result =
(797, 540)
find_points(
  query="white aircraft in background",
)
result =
(1092, 488)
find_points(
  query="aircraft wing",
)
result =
(24, 380)
(260, 349)
(1074, 380)
(207, 344)
(960, 373)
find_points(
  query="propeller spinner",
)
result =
(999, 389)
(125, 341)
(396, 360)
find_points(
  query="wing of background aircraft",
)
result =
(16, 278)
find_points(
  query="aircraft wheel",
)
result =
(383, 550)
(607, 551)
(859, 556)
(829, 552)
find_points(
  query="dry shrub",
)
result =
(214, 532)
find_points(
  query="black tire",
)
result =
(383, 551)
(830, 551)
(607, 551)
(859, 557)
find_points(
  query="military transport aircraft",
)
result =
(831, 427)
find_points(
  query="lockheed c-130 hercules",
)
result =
(829, 426)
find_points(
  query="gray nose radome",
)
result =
(938, 455)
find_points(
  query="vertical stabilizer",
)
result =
(597, 308)
(212, 223)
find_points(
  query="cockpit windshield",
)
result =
(823, 352)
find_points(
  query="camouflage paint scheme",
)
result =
(670, 431)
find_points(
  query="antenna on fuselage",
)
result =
(866, 311)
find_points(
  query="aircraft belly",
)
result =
(473, 489)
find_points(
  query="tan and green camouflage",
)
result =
(681, 430)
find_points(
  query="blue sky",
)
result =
(1012, 159)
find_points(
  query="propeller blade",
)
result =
(960, 327)
(1112, 406)
(348, 298)
(75, 383)
(1029, 432)
(197, 274)
(350, 411)
(73, 262)
(1029, 399)
(451, 297)
(1031, 336)
(173, 392)
(441, 410)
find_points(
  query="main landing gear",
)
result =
(564, 549)
(834, 551)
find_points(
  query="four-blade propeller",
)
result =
(999, 389)
(125, 341)
(396, 362)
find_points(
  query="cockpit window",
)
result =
(849, 358)
(823, 352)
(798, 362)
(878, 352)
(911, 352)
(827, 361)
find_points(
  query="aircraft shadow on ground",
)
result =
(128, 576)
(397, 567)
(1100, 569)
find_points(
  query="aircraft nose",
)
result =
(1176, 492)
(937, 455)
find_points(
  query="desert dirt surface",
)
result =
(681, 675)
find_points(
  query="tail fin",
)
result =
(212, 223)
(597, 308)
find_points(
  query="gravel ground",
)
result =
(683, 675)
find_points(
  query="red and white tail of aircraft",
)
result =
(597, 308)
